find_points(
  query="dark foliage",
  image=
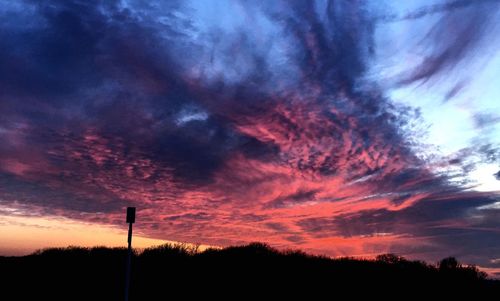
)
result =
(253, 271)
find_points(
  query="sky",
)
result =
(342, 128)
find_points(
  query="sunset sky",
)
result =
(344, 128)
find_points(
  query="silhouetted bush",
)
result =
(257, 270)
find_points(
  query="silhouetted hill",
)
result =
(254, 271)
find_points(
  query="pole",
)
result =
(129, 258)
(130, 221)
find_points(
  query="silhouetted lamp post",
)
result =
(130, 221)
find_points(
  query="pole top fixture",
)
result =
(131, 215)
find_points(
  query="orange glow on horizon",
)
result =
(21, 235)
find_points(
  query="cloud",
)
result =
(226, 132)
(462, 32)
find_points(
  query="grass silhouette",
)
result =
(253, 271)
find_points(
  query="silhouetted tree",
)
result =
(448, 263)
